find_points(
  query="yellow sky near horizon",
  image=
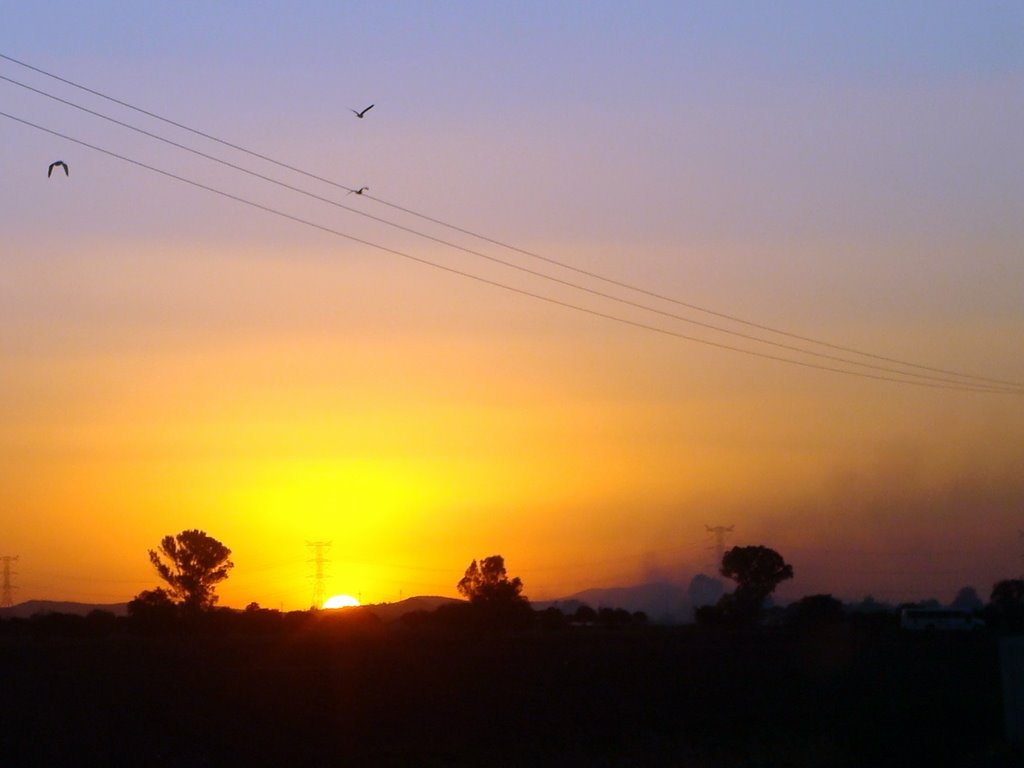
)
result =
(416, 445)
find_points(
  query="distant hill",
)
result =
(662, 602)
(388, 612)
(33, 607)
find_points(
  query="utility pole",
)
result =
(7, 588)
(318, 573)
(720, 532)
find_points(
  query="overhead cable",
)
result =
(494, 259)
(505, 286)
(726, 316)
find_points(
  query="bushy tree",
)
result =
(1006, 605)
(495, 600)
(757, 571)
(488, 582)
(967, 599)
(153, 609)
(192, 563)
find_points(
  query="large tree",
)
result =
(495, 600)
(192, 563)
(1006, 605)
(488, 582)
(757, 571)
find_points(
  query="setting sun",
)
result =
(340, 601)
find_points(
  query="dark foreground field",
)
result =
(375, 696)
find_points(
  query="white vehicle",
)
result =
(945, 619)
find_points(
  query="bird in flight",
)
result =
(58, 163)
(361, 114)
(358, 191)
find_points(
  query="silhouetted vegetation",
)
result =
(153, 608)
(816, 683)
(495, 600)
(815, 610)
(757, 571)
(967, 599)
(1006, 605)
(488, 582)
(192, 563)
(261, 687)
(585, 615)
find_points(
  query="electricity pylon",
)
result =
(7, 588)
(318, 573)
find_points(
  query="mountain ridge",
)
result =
(663, 602)
(31, 608)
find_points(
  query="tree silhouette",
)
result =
(967, 599)
(495, 600)
(196, 563)
(585, 614)
(757, 571)
(815, 611)
(488, 583)
(153, 609)
(1006, 605)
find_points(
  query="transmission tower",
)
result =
(720, 532)
(318, 572)
(7, 588)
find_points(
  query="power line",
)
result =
(946, 385)
(698, 308)
(594, 275)
(511, 265)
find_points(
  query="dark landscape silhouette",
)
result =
(493, 680)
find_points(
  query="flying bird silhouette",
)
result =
(361, 114)
(358, 191)
(53, 165)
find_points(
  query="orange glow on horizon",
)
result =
(340, 601)
(584, 453)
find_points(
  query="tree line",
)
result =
(191, 564)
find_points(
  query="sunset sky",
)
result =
(171, 358)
